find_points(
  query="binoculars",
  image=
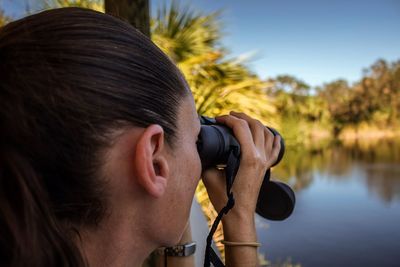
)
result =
(217, 146)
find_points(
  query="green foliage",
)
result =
(337, 96)
(219, 84)
(91, 4)
(301, 114)
(374, 99)
(183, 33)
(380, 88)
(290, 84)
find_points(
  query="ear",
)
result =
(151, 166)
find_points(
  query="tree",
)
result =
(338, 96)
(219, 84)
(395, 92)
(290, 84)
(183, 34)
(293, 99)
(383, 87)
(136, 12)
(91, 4)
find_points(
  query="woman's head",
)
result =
(74, 81)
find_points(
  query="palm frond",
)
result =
(182, 32)
(91, 4)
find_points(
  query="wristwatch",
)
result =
(178, 250)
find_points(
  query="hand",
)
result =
(259, 151)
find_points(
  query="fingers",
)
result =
(257, 141)
(256, 127)
(241, 131)
(259, 151)
(269, 142)
(263, 138)
(276, 148)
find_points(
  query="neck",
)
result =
(111, 244)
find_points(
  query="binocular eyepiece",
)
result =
(217, 144)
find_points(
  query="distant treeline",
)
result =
(373, 100)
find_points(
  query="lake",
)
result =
(347, 206)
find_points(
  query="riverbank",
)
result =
(363, 132)
(369, 132)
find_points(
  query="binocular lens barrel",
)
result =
(216, 142)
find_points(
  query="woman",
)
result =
(98, 147)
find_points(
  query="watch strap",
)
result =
(183, 250)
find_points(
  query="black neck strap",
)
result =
(230, 171)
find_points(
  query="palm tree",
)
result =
(136, 12)
(91, 4)
(219, 84)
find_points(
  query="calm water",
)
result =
(348, 207)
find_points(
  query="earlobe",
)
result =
(151, 166)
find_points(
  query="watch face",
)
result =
(190, 249)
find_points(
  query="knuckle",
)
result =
(259, 124)
(241, 114)
(274, 155)
(255, 160)
(242, 123)
(269, 134)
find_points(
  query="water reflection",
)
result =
(379, 159)
(383, 180)
(348, 205)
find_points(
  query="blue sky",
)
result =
(316, 41)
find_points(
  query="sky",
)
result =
(316, 41)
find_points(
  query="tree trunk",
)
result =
(136, 12)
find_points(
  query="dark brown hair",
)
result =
(69, 78)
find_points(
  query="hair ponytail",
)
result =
(29, 235)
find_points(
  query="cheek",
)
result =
(193, 170)
(196, 169)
